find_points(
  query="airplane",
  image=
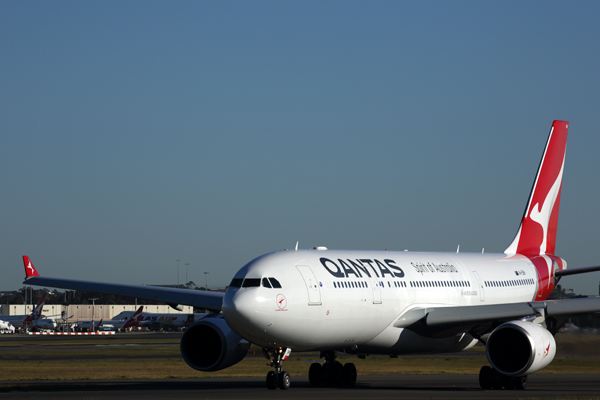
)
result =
(20, 321)
(42, 324)
(82, 326)
(126, 323)
(387, 302)
(165, 320)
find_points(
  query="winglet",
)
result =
(537, 233)
(30, 270)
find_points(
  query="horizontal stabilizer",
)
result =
(576, 271)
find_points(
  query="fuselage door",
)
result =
(312, 285)
(376, 286)
(480, 284)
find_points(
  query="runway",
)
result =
(541, 386)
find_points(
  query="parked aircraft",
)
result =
(387, 302)
(21, 321)
(126, 323)
(85, 326)
(42, 324)
(161, 320)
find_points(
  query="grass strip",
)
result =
(177, 369)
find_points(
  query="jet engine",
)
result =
(519, 348)
(211, 345)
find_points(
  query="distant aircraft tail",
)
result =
(135, 319)
(40, 307)
(37, 311)
(537, 233)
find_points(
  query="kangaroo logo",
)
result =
(281, 302)
(547, 351)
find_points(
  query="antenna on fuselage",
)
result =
(482, 249)
(296, 246)
(458, 249)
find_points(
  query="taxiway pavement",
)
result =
(540, 386)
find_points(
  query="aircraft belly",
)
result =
(403, 341)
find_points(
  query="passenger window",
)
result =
(275, 283)
(236, 282)
(265, 283)
(251, 282)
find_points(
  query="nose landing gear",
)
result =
(277, 378)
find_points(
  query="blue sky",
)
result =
(135, 134)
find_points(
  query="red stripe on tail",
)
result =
(537, 233)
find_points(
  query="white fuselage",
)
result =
(349, 300)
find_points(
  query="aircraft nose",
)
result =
(240, 309)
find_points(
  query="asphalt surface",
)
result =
(539, 386)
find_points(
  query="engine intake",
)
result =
(519, 348)
(211, 345)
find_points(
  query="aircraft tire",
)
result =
(284, 380)
(326, 379)
(486, 377)
(520, 382)
(315, 374)
(271, 380)
(349, 374)
(509, 382)
(337, 374)
(498, 380)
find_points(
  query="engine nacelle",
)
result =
(519, 348)
(211, 345)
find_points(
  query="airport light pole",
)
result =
(206, 284)
(186, 279)
(178, 273)
(93, 308)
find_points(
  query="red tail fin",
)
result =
(537, 233)
(39, 308)
(29, 268)
(135, 319)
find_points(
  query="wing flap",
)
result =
(447, 321)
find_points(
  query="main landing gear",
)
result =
(331, 373)
(278, 378)
(489, 378)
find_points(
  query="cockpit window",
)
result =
(265, 283)
(275, 283)
(251, 282)
(236, 282)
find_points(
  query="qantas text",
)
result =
(345, 268)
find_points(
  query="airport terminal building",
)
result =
(83, 312)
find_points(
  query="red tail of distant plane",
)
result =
(135, 319)
(37, 311)
(537, 233)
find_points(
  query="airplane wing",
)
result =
(447, 321)
(201, 299)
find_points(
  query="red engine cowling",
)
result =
(519, 348)
(211, 345)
